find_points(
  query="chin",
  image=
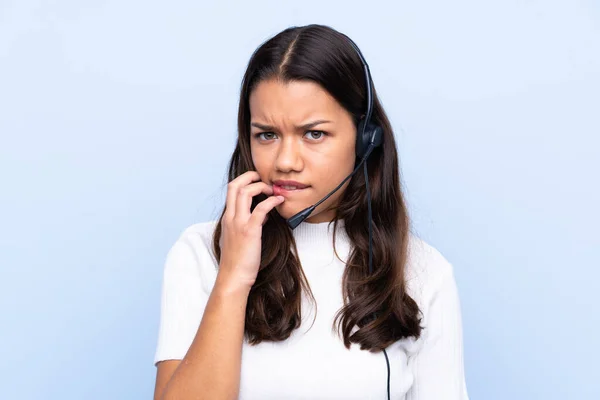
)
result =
(286, 211)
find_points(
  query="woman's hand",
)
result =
(241, 231)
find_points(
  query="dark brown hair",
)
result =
(323, 55)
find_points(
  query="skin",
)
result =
(285, 150)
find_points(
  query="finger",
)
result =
(245, 195)
(233, 187)
(262, 209)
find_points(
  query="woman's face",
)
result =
(300, 133)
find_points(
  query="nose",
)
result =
(289, 154)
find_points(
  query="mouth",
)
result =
(285, 190)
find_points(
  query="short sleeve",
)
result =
(438, 366)
(183, 301)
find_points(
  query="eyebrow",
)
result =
(305, 126)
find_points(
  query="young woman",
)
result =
(342, 303)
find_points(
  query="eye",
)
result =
(320, 134)
(266, 136)
(258, 135)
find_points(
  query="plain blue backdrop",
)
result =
(117, 120)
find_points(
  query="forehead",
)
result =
(295, 100)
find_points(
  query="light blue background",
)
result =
(117, 119)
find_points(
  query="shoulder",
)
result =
(198, 234)
(192, 253)
(426, 270)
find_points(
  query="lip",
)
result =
(281, 182)
(278, 190)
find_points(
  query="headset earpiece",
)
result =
(370, 135)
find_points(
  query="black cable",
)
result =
(370, 221)
(387, 361)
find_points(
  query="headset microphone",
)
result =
(295, 220)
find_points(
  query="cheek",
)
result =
(261, 164)
(255, 157)
(339, 162)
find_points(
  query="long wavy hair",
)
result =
(377, 310)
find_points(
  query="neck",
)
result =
(319, 233)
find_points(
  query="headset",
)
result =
(368, 136)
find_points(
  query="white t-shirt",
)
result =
(313, 363)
